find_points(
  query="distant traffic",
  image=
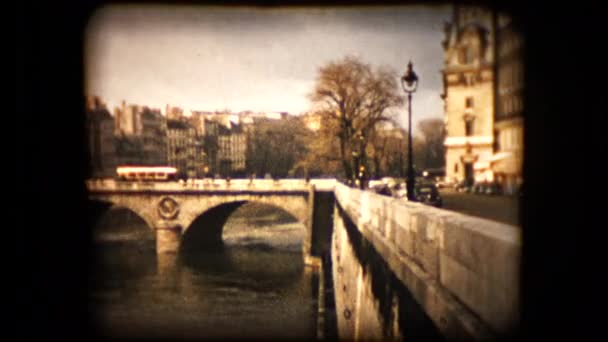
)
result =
(425, 189)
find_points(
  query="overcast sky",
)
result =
(212, 58)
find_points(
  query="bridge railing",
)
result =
(464, 271)
(212, 185)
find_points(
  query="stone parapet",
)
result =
(208, 184)
(464, 271)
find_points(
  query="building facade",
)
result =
(154, 136)
(127, 119)
(174, 113)
(100, 132)
(232, 146)
(211, 146)
(181, 147)
(469, 92)
(129, 150)
(482, 126)
(507, 161)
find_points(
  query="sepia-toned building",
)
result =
(482, 103)
(211, 145)
(127, 119)
(174, 113)
(201, 166)
(154, 136)
(181, 147)
(201, 162)
(232, 146)
(469, 92)
(129, 150)
(100, 132)
(506, 164)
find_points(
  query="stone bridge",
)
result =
(182, 214)
(398, 269)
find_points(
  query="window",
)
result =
(469, 102)
(468, 127)
(465, 55)
(456, 168)
(469, 55)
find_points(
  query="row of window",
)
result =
(510, 77)
(466, 55)
(510, 42)
(510, 139)
(511, 105)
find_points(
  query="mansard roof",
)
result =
(177, 124)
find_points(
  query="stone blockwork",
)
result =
(357, 312)
(170, 208)
(463, 271)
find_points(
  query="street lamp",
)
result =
(409, 82)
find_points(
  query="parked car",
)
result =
(399, 190)
(384, 190)
(381, 189)
(442, 183)
(428, 193)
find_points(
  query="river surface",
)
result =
(255, 287)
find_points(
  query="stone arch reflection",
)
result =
(240, 222)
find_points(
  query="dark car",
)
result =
(427, 193)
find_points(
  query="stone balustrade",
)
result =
(464, 271)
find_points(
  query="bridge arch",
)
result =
(96, 208)
(207, 228)
(101, 205)
(171, 209)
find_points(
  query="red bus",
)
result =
(146, 173)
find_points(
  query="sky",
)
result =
(246, 58)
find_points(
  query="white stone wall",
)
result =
(462, 270)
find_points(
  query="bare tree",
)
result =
(352, 99)
(433, 132)
(274, 147)
(322, 155)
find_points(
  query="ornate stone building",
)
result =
(469, 91)
(478, 87)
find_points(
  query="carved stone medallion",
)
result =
(168, 208)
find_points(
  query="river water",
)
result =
(255, 287)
